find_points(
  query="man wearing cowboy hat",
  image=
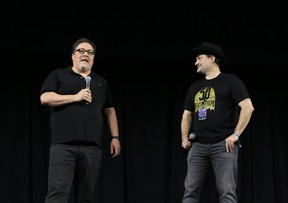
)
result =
(217, 109)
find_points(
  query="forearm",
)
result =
(242, 122)
(186, 125)
(245, 115)
(54, 99)
(112, 121)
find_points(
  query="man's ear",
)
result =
(212, 58)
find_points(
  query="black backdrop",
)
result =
(140, 53)
(148, 96)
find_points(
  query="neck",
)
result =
(83, 72)
(213, 74)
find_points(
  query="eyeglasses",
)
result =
(89, 51)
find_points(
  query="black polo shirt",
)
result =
(77, 121)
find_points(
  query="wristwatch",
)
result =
(115, 137)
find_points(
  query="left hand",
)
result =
(115, 147)
(230, 143)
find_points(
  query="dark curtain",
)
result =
(148, 94)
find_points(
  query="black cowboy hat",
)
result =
(211, 49)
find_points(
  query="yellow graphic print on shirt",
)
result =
(205, 99)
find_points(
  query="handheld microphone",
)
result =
(88, 80)
(191, 137)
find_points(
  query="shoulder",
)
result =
(230, 77)
(60, 72)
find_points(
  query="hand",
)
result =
(230, 143)
(186, 144)
(115, 147)
(84, 94)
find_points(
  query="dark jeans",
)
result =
(224, 164)
(68, 161)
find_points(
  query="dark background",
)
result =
(140, 52)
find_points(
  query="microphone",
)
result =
(191, 137)
(88, 80)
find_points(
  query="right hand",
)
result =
(84, 94)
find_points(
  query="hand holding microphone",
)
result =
(187, 143)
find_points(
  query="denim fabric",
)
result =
(225, 167)
(80, 162)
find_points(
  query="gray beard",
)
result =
(83, 68)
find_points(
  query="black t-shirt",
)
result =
(77, 121)
(214, 104)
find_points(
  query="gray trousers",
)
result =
(225, 167)
(68, 163)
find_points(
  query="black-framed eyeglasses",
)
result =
(89, 51)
